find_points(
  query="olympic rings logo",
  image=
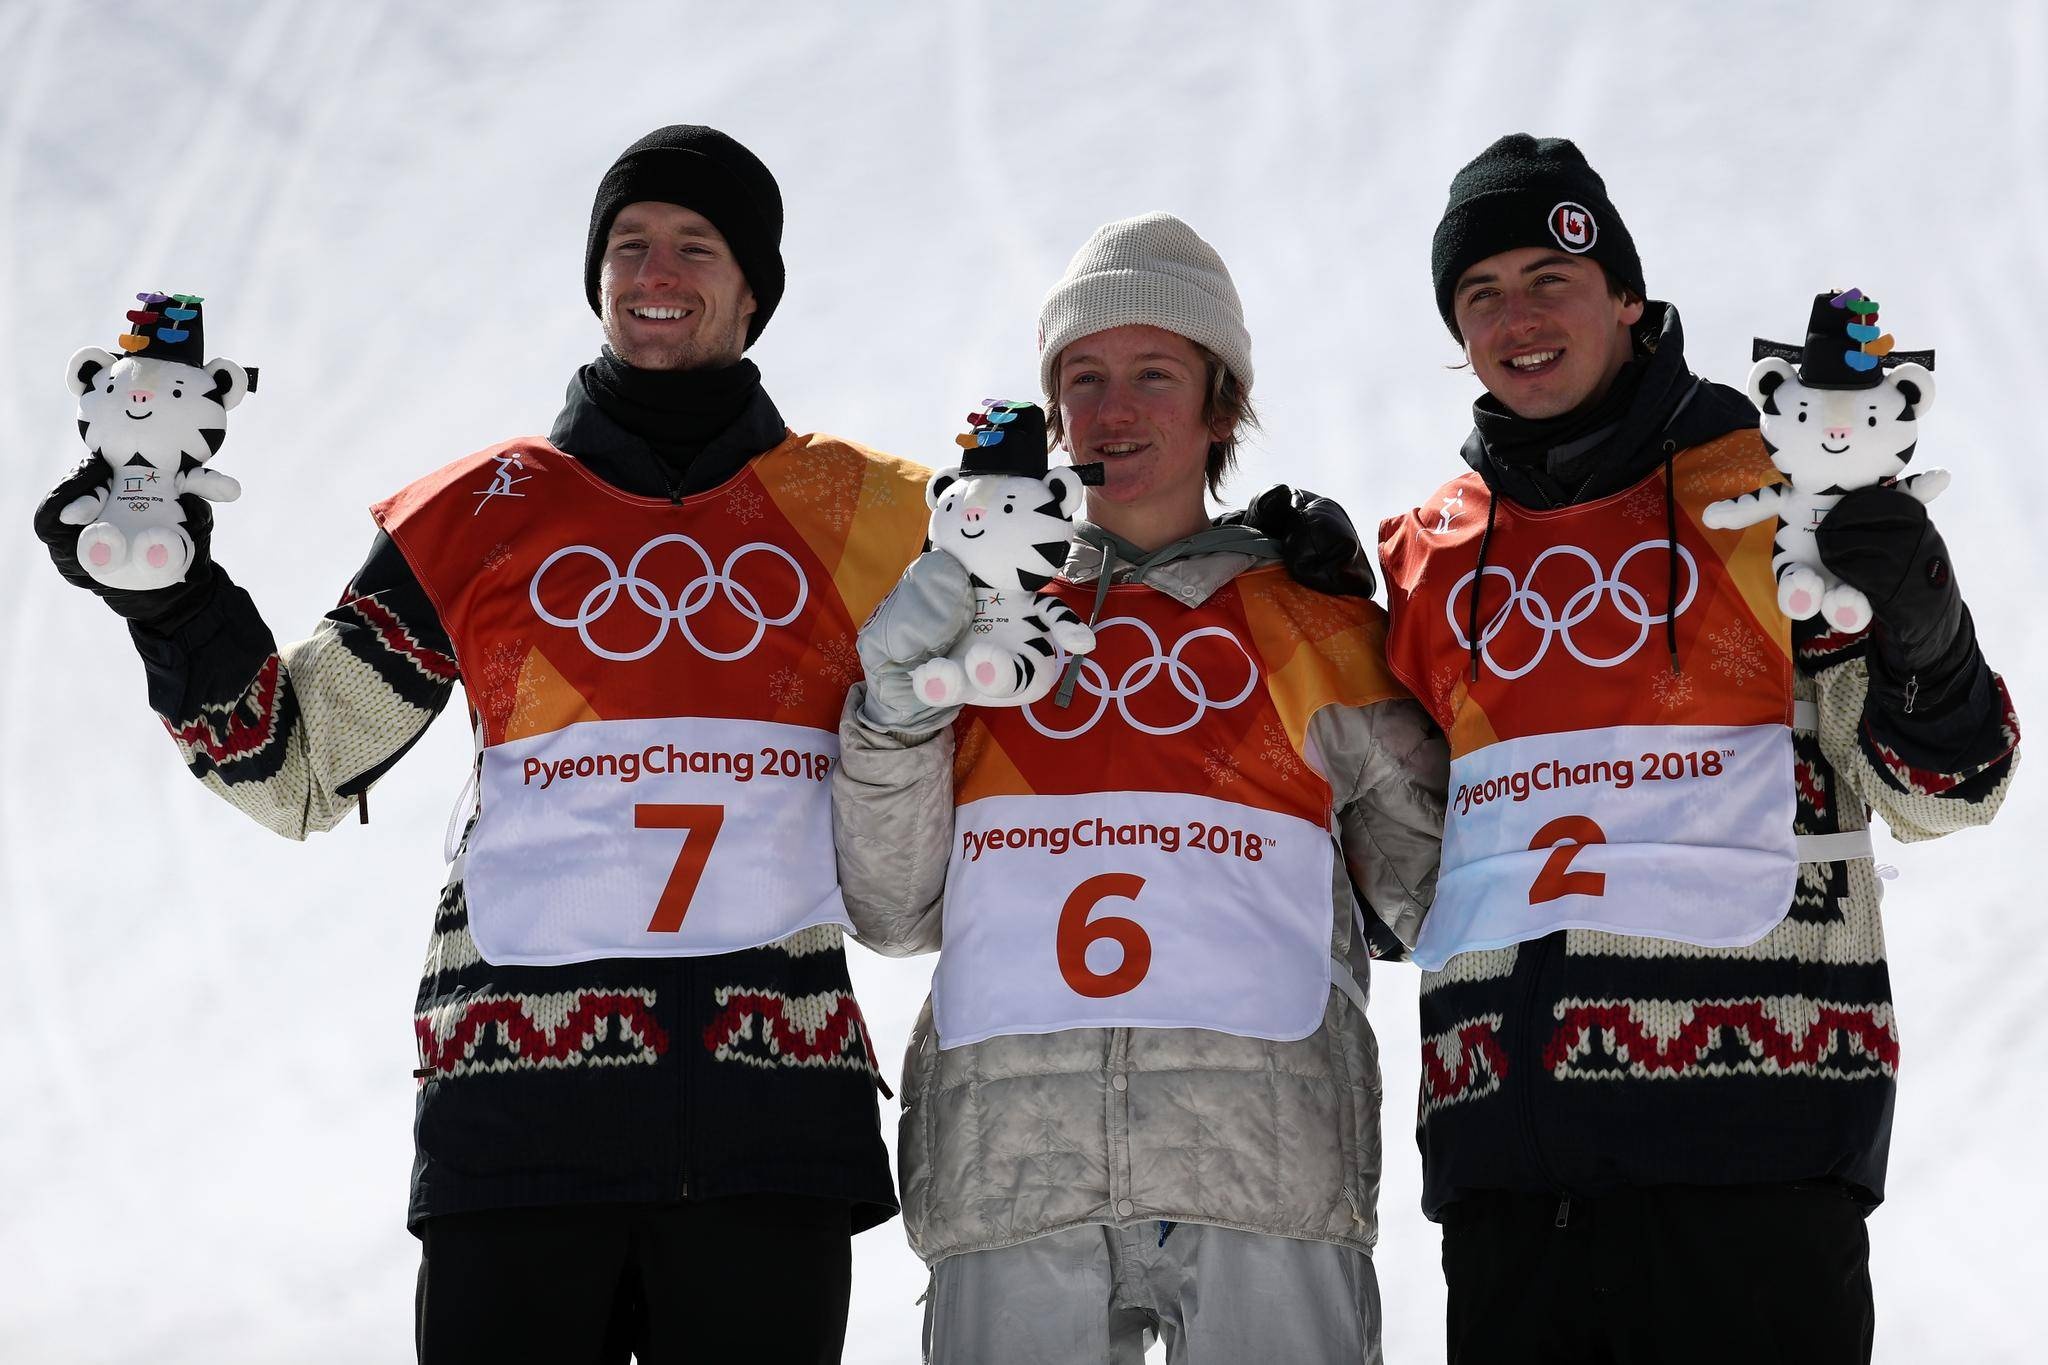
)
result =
(1579, 608)
(650, 599)
(1094, 680)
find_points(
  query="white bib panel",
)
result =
(1136, 910)
(674, 837)
(1675, 832)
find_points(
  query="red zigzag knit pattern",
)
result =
(790, 1043)
(1774, 1046)
(534, 1044)
(391, 632)
(243, 736)
(1481, 1068)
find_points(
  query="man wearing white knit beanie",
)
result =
(1144, 289)
(1167, 1125)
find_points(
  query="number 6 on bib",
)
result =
(1077, 933)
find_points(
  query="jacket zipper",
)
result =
(685, 1134)
(1526, 1063)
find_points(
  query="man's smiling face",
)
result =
(1542, 329)
(673, 294)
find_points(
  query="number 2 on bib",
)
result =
(1076, 932)
(1566, 837)
(701, 824)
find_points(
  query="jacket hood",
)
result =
(1190, 570)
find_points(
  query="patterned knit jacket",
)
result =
(1585, 1061)
(612, 1080)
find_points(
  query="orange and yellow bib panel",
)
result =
(656, 688)
(1158, 853)
(1591, 785)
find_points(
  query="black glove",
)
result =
(162, 609)
(1318, 544)
(1924, 658)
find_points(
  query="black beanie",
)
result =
(1528, 191)
(701, 169)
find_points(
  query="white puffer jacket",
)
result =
(1021, 1135)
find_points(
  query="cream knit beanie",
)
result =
(1149, 269)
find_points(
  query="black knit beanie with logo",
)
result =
(701, 169)
(1528, 191)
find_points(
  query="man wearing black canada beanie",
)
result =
(646, 1117)
(1651, 1129)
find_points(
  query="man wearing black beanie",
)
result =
(1650, 1134)
(647, 1118)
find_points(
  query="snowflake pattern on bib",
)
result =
(1736, 654)
(743, 503)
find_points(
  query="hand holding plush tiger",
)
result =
(152, 416)
(1844, 418)
(1006, 518)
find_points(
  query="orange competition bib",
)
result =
(1591, 786)
(656, 687)
(1158, 853)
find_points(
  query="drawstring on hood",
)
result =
(1479, 585)
(1472, 640)
(1671, 555)
(1241, 540)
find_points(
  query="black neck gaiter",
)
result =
(1527, 441)
(677, 412)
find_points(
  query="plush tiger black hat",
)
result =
(1843, 348)
(166, 327)
(1008, 437)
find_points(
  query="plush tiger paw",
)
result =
(1927, 485)
(1845, 608)
(996, 673)
(1723, 515)
(83, 510)
(1073, 636)
(102, 549)
(1799, 591)
(939, 682)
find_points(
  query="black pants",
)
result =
(1660, 1276)
(760, 1278)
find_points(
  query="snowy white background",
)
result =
(205, 1104)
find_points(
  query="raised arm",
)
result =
(293, 736)
(1919, 722)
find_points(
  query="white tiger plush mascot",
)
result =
(1006, 517)
(154, 416)
(1846, 417)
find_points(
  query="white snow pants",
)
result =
(1099, 1295)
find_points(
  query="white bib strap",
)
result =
(1835, 848)
(1343, 980)
(465, 804)
(1806, 717)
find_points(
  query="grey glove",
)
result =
(923, 617)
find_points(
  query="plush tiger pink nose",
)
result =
(975, 513)
(1838, 434)
(141, 395)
